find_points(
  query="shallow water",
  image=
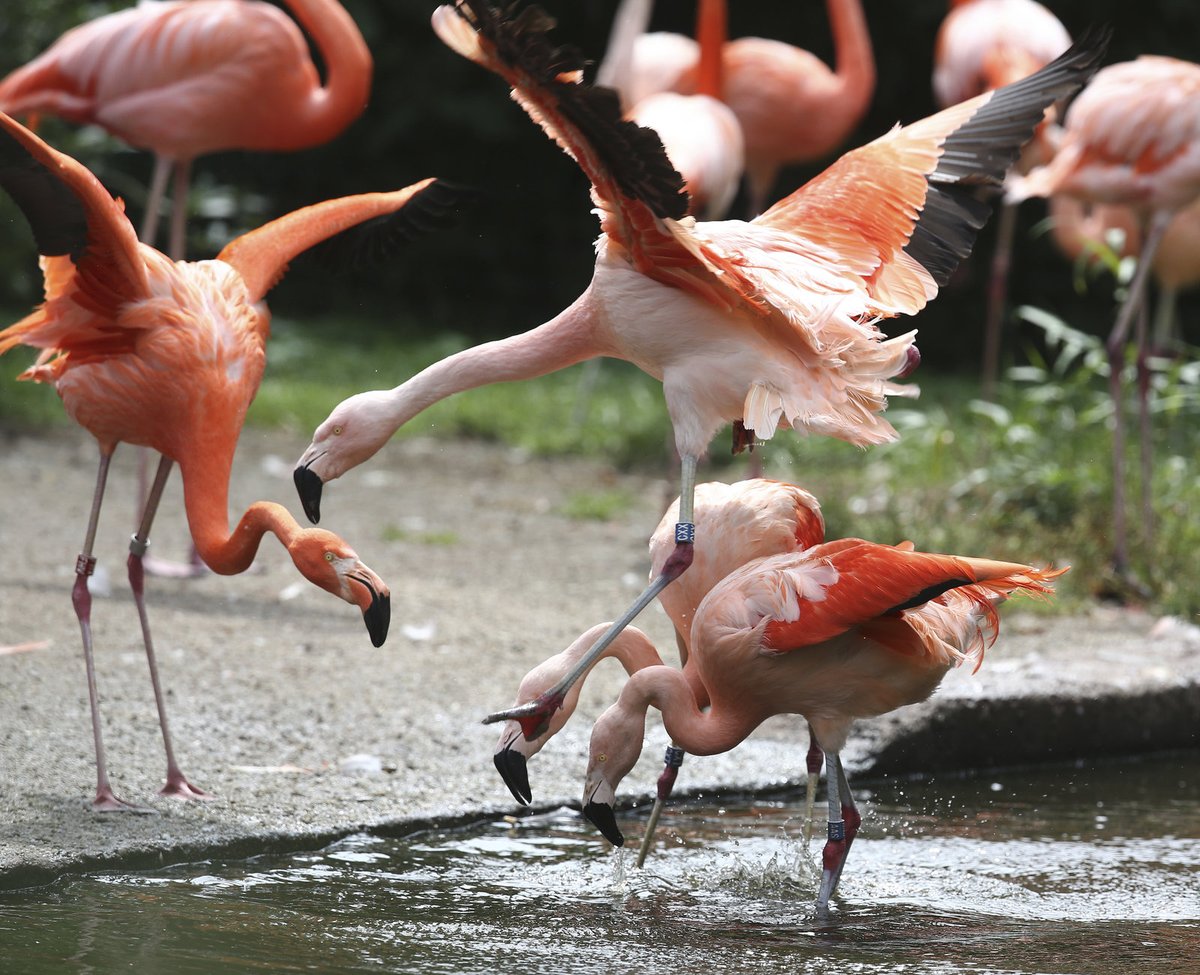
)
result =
(1057, 870)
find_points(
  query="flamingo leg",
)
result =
(813, 760)
(177, 241)
(81, 598)
(177, 786)
(1116, 364)
(1145, 431)
(534, 716)
(154, 197)
(666, 782)
(844, 820)
(1006, 227)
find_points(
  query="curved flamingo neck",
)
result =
(206, 498)
(566, 339)
(711, 33)
(710, 732)
(854, 59)
(348, 69)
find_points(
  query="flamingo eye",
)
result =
(337, 431)
(328, 556)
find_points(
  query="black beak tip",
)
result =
(601, 816)
(308, 486)
(514, 770)
(378, 617)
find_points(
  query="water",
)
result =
(1057, 870)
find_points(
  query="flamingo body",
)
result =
(841, 631)
(985, 44)
(169, 355)
(185, 78)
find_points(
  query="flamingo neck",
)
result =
(348, 69)
(709, 732)
(711, 33)
(566, 339)
(854, 59)
(206, 498)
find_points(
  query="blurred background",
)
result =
(525, 250)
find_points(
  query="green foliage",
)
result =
(597, 505)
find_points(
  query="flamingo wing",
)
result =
(903, 211)
(633, 182)
(82, 233)
(811, 597)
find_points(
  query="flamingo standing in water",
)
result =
(735, 523)
(1132, 137)
(845, 630)
(169, 355)
(767, 324)
(185, 78)
(983, 45)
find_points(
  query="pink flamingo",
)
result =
(768, 324)
(186, 78)
(700, 133)
(983, 45)
(838, 632)
(166, 354)
(1132, 137)
(735, 523)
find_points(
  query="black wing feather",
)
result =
(977, 155)
(632, 154)
(55, 214)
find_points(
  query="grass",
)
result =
(1026, 478)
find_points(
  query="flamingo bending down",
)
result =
(767, 324)
(842, 631)
(169, 355)
(983, 45)
(185, 78)
(735, 523)
(1132, 137)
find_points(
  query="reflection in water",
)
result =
(1052, 871)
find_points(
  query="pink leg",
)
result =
(81, 598)
(844, 820)
(534, 716)
(177, 786)
(1145, 429)
(813, 762)
(1006, 226)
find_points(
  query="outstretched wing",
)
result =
(904, 210)
(73, 216)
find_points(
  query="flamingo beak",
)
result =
(375, 603)
(308, 486)
(514, 770)
(601, 815)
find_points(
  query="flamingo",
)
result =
(735, 523)
(767, 324)
(841, 631)
(185, 78)
(700, 133)
(1132, 137)
(792, 108)
(169, 355)
(983, 45)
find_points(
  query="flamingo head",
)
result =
(327, 561)
(351, 434)
(615, 748)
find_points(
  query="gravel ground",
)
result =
(281, 707)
